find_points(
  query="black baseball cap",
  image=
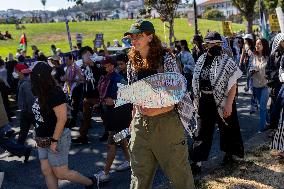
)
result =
(141, 26)
(213, 37)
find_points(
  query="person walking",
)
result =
(73, 87)
(114, 119)
(272, 74)
(52, 138)
(25, 102)
(259, 81)
(90, 93)
(157, 135)
(7, 144)
(214, 86)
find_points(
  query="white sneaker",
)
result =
(124, 166)
(102, 177)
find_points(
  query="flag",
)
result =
(23, 42)
(263, 22)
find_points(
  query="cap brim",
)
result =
(130, 32)
(213, 41)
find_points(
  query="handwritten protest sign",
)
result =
(280, 16)
(273, 22)
(227, 28)
(156, 91)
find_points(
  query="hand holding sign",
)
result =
(157, 91)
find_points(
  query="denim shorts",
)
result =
(61, 157)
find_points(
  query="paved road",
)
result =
(89, 159)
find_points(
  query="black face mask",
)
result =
(103, 71)
(215, 50)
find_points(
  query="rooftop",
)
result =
(211, 2)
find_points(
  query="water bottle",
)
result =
(121, 135)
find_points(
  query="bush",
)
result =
(213, 14)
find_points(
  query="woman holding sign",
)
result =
(157, 135)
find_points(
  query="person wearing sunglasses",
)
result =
(157, 135)
(214, 86)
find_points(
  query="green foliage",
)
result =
(78, 2)
(166, 8)
(44, 34)
(213, 14)
(247, 9)
(43, 2)
(272, 4)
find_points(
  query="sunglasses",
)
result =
(209, 45)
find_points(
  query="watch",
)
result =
(53, 140)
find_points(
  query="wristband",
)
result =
(53, 140)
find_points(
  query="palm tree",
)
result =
(43, 2)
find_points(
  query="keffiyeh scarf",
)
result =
(224, 73)
(185, 107)
(276, 42)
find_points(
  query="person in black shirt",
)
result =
(53, 140)
(90, 92)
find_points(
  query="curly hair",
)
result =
(154, 58)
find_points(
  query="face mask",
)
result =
(15, 75)
(215, 51)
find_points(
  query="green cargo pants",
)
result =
(159, 140)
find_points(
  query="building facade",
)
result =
(225, 6)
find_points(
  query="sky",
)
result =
(52, 5)
(36, 4)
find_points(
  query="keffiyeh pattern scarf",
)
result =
(224, 73)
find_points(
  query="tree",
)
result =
(272, 4)
(43, 2)
(246, 8)
(78, 2)
(166, 9)
(214, 14)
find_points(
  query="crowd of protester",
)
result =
(52, 91)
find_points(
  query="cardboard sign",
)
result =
(157, 91)
(273, 22)
(79, 37)
(280, 16)
(98, 42)
(227, 28)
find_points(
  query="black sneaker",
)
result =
(27, 154)
(80, 140)
(196, 169)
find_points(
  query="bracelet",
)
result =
(53, 140)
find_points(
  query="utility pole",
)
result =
(195, 18)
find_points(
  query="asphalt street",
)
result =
(89, 159)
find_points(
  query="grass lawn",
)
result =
(43, 35)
